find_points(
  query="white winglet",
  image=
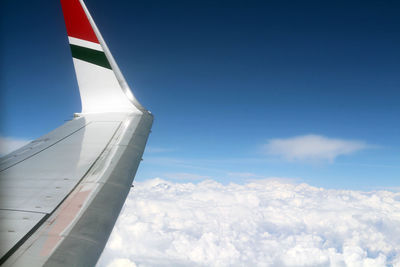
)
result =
(102, 86)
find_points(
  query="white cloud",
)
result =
(9, 144)
(262, 223)
(312, 147)
(185, 176)
(122, 263)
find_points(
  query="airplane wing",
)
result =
(61, 194)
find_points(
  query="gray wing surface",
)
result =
(62, 214)
(61, 194)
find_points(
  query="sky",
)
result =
(226, 80)
(280, 115)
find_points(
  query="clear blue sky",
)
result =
(223, 78)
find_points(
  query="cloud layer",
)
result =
(312, 147)
(262, 223)
(9, 144)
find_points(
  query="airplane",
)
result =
(61, 194)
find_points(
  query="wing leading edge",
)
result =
(61, 194)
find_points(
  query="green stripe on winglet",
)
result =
(90, 55)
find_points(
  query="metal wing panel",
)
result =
(76, 232)
(30, 186)
(41, 143)
(38, 177)
(14, 226)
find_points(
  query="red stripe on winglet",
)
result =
(76, 21)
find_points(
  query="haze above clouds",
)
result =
(262, 223)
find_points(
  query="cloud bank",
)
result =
(9, 144)
(262, 223)
(312, 147)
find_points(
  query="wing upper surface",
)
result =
(30, 186)
(73, 201)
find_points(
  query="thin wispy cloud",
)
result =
(246, 175)
(9, 144)
(254, 177)
(260, 223)
(155, 150)
(312, 148)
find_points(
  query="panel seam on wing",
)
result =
(45, 148)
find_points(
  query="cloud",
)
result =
(9, 144)
(312, 148)
(254, 177)
(122, 263)
(246, 175)
(262, 223)
(185, 176)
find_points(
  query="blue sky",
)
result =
(225, 80)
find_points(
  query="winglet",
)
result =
(102, 86)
